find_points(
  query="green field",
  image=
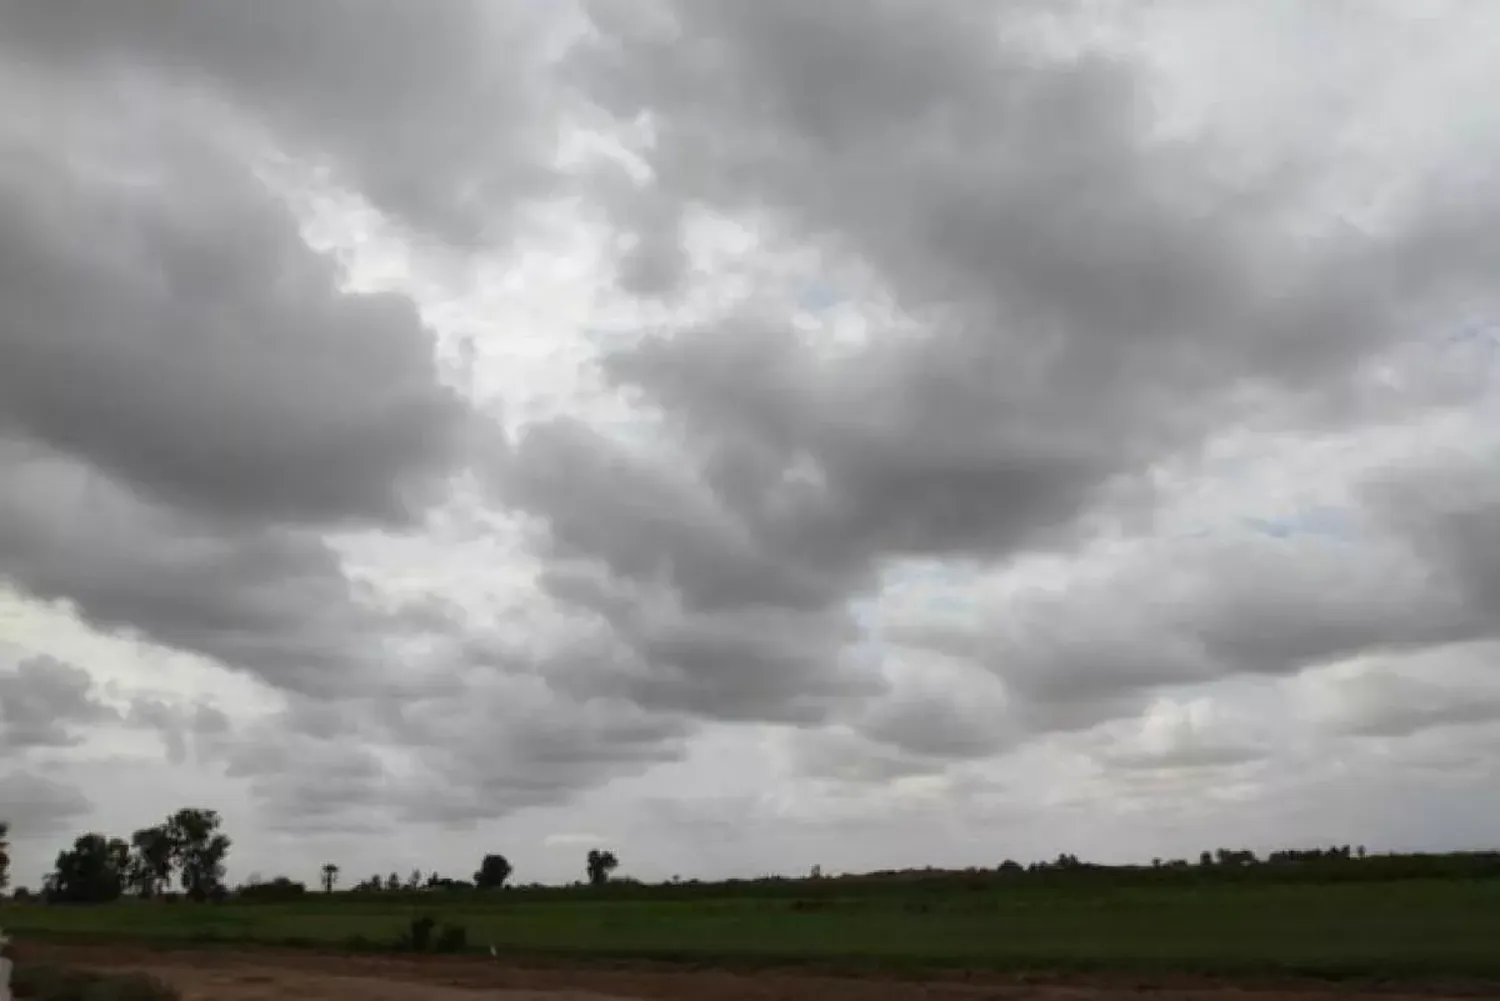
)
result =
(1412, 928)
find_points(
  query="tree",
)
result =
(393, 882)
(153, 856)
(4, 854)
(414, 881)
(201, 848)
(330, 876)
(494, 870)
(600, 865)
(277, 891)
(93, 871)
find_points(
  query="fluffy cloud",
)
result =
(42, 700)
(1020, 413)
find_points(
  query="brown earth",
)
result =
(262, 975)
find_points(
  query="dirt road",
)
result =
(215, 975)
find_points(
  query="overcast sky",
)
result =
(749, 434)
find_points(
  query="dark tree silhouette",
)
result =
(93, 871)
(600, 865)
(201, 848)
(494, 870)
(330, 876)
(153, 854)
(4, 854)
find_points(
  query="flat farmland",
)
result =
(1413, 929)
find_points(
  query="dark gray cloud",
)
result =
(190, 397)
(513, 743)
(306, 783)
(45, 703)
(468, 748)
(269, 600)
(38, 806)
(1080, 295)
(712, 618)
(187, 731)
(432, 111)
(1064, 294)
(168, 325)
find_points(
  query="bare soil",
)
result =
(262, 975)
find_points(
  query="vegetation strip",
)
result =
(1331, 913)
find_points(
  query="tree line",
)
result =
(191, 846)
(188, 849)
(98, 869)
(494, 873)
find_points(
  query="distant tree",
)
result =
(1205, 858)
(393, 882)
(330, 876)
(4, 854)
(600, 864)
(93, 871)
(1360, 851)
(816, 872)
(20, 895)
(493, 871)
(153, 854)
(201, 848)
(279, 890)
(414, 881)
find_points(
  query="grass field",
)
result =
(1413, 928)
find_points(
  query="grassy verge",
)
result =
(1408, 932)
(47, 982)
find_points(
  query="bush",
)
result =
(418, 936)
(452, 938)
(425, 935)
(55, 983)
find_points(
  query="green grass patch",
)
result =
(1410, 929)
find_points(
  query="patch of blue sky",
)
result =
(1485, 332)
(818, 296)
(1328, 522)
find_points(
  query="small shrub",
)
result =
(361, 943)
(418, 936)
(54, 983)
(452, 938)
(48, 983)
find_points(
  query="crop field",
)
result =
(1412, 928)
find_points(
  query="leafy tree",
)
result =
(414, 881)
(4, 854)
(494, 870)
(600, 865)
(93, 871)
(201, 848)
(330, 876)
(279, 890)
(153, 855)
(392, 883)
